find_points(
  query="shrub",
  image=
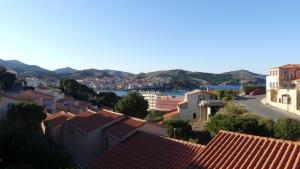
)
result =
(286, 128)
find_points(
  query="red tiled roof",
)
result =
(58, 118)
(89, 121)
(288, 66)
(233, 151)
(145, 151)
(124, 127)
(228, 150)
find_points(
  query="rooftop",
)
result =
(58, 118)
(89, 121)
(288, 66)
(124, 127)
(228, 150)
(233, 151)
(144, 150)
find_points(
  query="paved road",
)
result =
(253, 104)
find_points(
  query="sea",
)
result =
(177, 93)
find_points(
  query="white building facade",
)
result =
(191, 109)
(151, 98)
(283, 89)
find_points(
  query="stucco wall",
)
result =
(292, 108)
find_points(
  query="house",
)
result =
(283, 90)
(191, 108)
(228, 150)
(167, 103)
(122, 130)
(45, 100)
(56, 93)
(53, 125)
(68, 104)
(88, 134)
(82, 135)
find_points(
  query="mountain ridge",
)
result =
(177, 77)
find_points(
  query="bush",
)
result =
(286, 128)
(233, 109)
(178, 129)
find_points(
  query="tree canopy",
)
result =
(133, 104)
(7, 79)
(82, 92)
(237, 119)
(23, 145)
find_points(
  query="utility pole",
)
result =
(241, 87)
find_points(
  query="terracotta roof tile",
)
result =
(145, 151)
(88, 121)
(58, 118)
(124, 127)
(230, 150)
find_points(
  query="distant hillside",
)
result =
(173, 79)
(187, 79)
(66, 70)
(118, 73)
(22, 67)
(89, 73)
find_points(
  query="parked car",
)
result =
(257, 92)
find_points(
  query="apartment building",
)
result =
(283, 90)
(151, 98)
(193, 107)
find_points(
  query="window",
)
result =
(286, 99)
(194, 115)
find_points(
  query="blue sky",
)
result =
(142, 36)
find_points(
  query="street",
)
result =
(253, 104)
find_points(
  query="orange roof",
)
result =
(33, 95)
(288, 66)
(144, 150)
(233, 151)
(124, 127)
(58, 118)
(228, 150)
(89, 121)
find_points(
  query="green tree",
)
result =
(7, 79)
(133, 104)
(286, 128)
(78, 91)
(178, 129)
(109, 99)
(22, 143)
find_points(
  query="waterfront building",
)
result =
(151, 97)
